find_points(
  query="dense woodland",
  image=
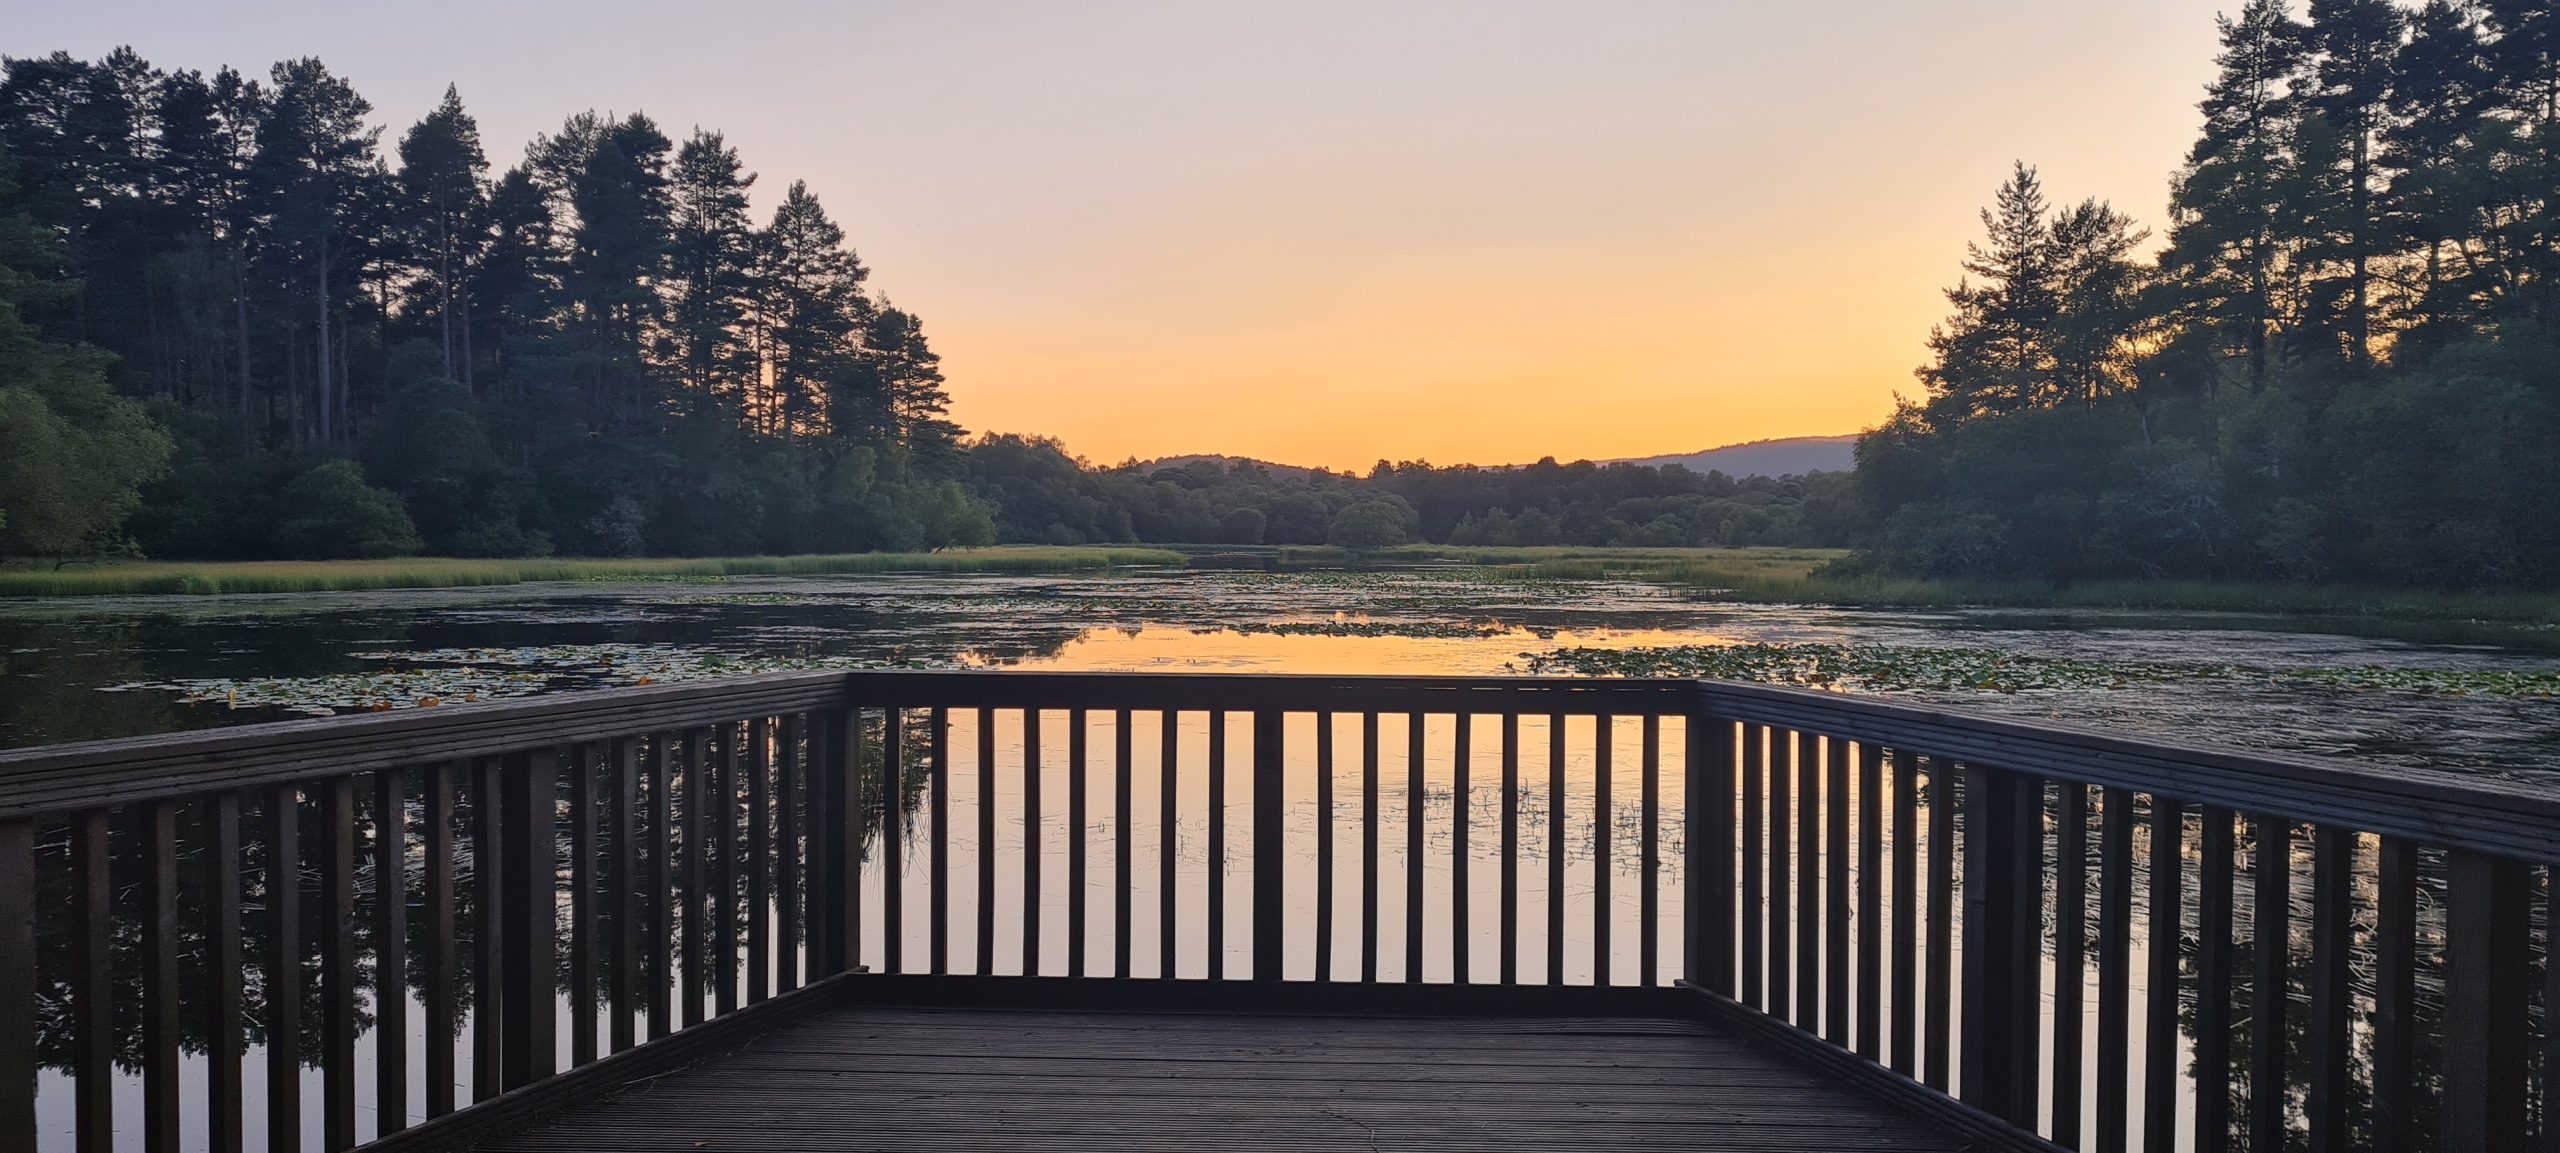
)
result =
(240, 318)
(237, 321)
(2342, 364)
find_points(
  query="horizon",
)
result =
(1358, 235)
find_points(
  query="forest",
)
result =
(236, 321)
(2338, 362)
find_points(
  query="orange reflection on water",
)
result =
(1163, 648)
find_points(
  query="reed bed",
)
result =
(213, 578)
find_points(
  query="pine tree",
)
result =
(897, 392)
(1991, 355)
(811, 309)
(712, 252)
(441, 167)
(317, 166)
(2225, 202)
(2353, 44)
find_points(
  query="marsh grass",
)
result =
(154, 577)
(1799, 576)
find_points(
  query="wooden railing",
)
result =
(532, 891)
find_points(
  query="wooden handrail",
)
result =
(719, 838)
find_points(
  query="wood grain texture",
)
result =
(854, 1079)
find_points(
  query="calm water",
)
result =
(127, 666)
(104, 668)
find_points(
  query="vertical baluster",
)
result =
(1076, 830)
(224, 1040)
(2488, 942)
(1782, 866)
(2395, 997)
(2003, 903)
(2332, 945)
(1755, 866)
(848, 837)
(1707, 888)
(1603, 736)
(1902, 780)
(1169, 724)
(893, 841)
(787, 865)
(1214, 874)
(2070, 956)
(987, 844)
(2213, 980)
(2272, 938)
(92, 1017)
(1124, 791)
(1838, 854)
(1368, 848)
(1870, 921)
(622, 977)
(18, 1125)
(1269, 828)
(1942, 924)
(528, 1010)
(759, 859)
(390, 952)
(1810, 779)
(2115, 968)
(160, 977)
(1511, 848)
(823, 781)
(283, 969)
(1555, 849)
(1459, 786)
(1324, 847)
(1416, 798)
(938, 863)
(697, 871)
(583, 941)
(338, 966)
(662, 902)
(2160, 1048)
(724, 869)
(1649, 850)
(436, 972)
(1035, 839)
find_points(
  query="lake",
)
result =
(2446, 696)
(2451, 697)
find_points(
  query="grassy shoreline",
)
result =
(1757, 575)
(220, 577)
(1790, 575)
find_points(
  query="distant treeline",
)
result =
(235, 323)
(2344, 365)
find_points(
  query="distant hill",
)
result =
(1786, 457)
(1162, 463)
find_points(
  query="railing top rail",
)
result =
(2432, 806)
(90, 773)
(86, 774)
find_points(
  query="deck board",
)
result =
(967, 1079)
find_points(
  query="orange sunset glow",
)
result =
(1330, 234)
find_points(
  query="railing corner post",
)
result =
(529, 863)
(1269, 838)
(2003, 977)
(2487, 969)
(1707, 873)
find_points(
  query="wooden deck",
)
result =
(973, 1079)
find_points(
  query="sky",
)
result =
(1333, 233)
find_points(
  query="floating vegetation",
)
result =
(1895, 668)
(440, 677)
